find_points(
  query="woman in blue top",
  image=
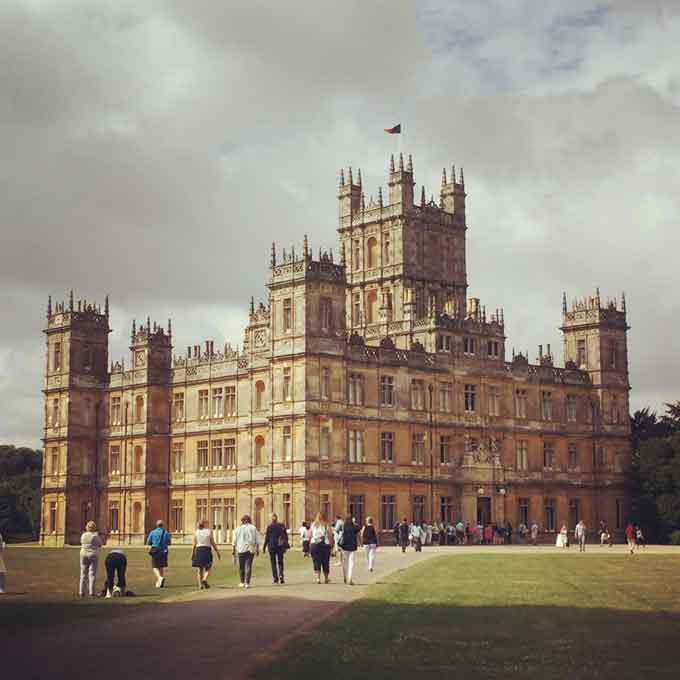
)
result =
(159, 540)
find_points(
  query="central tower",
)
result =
(404, 262)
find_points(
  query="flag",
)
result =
(396, 130)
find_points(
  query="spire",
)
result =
(70, 300)
(409, 165)
(380, 198)
(49, 306)
(134, 330)
(305, 247)
(391, 162)
(350, 176)
(169, 328)
(359, 176)
(443, 176)
(453, 174)
(148, 324)
(623, 302)
(564, 302)
(503, 320)
(252, 305)
(597, 297)
(483, 313)
(462, 177)
(273, 260)
(106, 305)
(401, 162)
(422, 197)
(330, 254)
(342, 177)
(363, 202)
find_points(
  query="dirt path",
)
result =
(208, 635)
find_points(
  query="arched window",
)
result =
(259, 395)
(137, 518)
(259, 450)
(372, 252)
(138, 459)
(259, 511)
(139, 409)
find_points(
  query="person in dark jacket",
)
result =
(349, 545)
(404, 532)
(369, 539)
(276, 541)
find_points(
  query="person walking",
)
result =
(630, 537)
(247, 547)
(276, 541)
(580, 533)
(348, 544)
(639, 537)
(90, 547)
(369, 539)
(158, 541)
(534, 533)
(417, 536)
(201, 554)
(3, 569)
(403, 534)
(320, 542)
(116, 566)
(442, 534)
(304, 539)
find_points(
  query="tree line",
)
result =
(20, 477)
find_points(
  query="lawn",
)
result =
(43, 583)
(493, 616)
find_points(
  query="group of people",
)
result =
(419, 534)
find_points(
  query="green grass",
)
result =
(499, 616)
(43, 583)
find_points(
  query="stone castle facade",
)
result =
(370, 385)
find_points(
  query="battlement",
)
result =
(590, 311)
(147, 335)
(76, 312)
(293, 269)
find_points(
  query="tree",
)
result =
(20, 476)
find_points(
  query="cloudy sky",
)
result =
(153, 150)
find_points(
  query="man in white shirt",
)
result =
(580, 535)
(246, 546)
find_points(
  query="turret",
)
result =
(401, 184)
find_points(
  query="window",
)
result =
(548, 455)
(203, 412)
(286, 510)
(572, 450)
(56, 357)
(178, 406)
(139, 409)
(387, 447)
(259, 395)
(446, 509)
(114, 508)
(325, 443)
(217, 402)
(372, 252)
(444, 343)
(230, 453)
(417, 395)
(356, 508)
(87, 358)
(388, 512)
(138, 460)
(259, 450)
(202, 454)
(229, 513)
(386, 390)
(217, 461)
(445, 451)
(287, 442)
(326, 505)
(468, 346)
(470, 398)
(546, 405)
(325, 383)
(524, 511)
(418, 448)
(386, 249)
(574, 515)
(178, 456)
(571, 408)
(494, 401)
(287, 315)
(549, 514)
(615, 410)
(201, 510)
(419, 508)
(54, 461)
(286, 384)
(55, 412)
(521, 401)
(493, 349)
(618, 464)
(177, 515)
(355, 446)
(137, 518)
(52, 521)
(612, 354)
(326, 313)
(114, 460)
(356, 309)
(581, 353)
(356, 388)
(230, 400)
(445, 392)
(216, 513)
(357, 254)
(522, 454)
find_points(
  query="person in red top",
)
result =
(630, 537)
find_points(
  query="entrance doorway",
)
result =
(483, 511)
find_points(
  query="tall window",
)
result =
(355, 446)
(469, 346)
(571, 408)
(287, 442)
(55, 412)
(612, 354)
(87, 358)
(445, 396)
(216, 512)
(388, 512)
(417, 395)
(493, 349)
(218, 402)
(114, 509)
(114, 460)
(52, 520)
(418, 448)
(217, 460)
(618, 461)
(524, 511)
(326, 310)
(287, 315)
(444, 343)
(325, 383)
(326, 504)
(230, 453)
(445, 450)
(356, 388)
(419, 508)
(230, 400)
(178, 456)
(356, 508)
(356, 250)
(259, 395)
(581, 353)
(387, 447)
(139, 409)
(356, 308)
(229, 513)
(494, 401)
(446, 509)
(521, 400)
(201, 510)
(615, 409)
(137, 518)
(286, 383)
(372, 252)
(203, 411)
(56, 357)
(177, 515)
(548, 455)
(202, 454)
(386, 390)
(522, 454)
(325, 443)
(138, 460)
(259, 450)
(574, 512)
(546, 405)
(572, 449)
(549, 514)
(178, 406)
(386, 249)
(286, 510)
(54, 461)
(470, 398)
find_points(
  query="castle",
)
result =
(370, 385)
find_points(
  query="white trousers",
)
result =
(370, 554)
(348, 563)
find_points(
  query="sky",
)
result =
(152, 151)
